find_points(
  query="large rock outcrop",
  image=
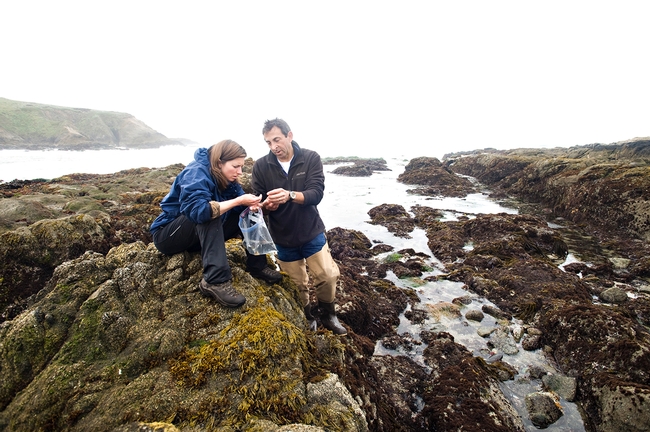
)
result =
(115, 336)
(44, 223)
(119, 337)
(606, 187)
(126, 337)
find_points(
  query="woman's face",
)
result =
(232, 169)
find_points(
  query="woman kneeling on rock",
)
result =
(201, 212)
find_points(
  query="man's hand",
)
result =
(268, 205)
(278, 196)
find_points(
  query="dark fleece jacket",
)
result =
(293, 225)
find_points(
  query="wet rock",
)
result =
(103, 318)
(402, 342)
(517, 332)
(434, 178)
(604, 349)
(620, 263)
(409, 268)
(533, 331)
(578, 268)
(531, 342)
(426, 215)
(84, 212)
(623, 405)
(641, 267)
(543, 409)
(500, 369)
(495, 312)
(381, 248)
(349, 243)
(448, 393)
(525, 282)
(394, 217)
(359, 168)
(562, 385)
(537, 372)
(503, 341)
(332, 396)
(485, 331)
(416, 316)
(474, 315)
(404, 384)
(464, 300)
(613, 295)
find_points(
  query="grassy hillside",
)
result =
(26, 125)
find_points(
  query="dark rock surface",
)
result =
(359, 167)
(435, 178)
(394, 217)
(605, 188)
(102, 332)
(543, 408)
(44, 223)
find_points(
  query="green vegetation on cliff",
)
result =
(26, 125)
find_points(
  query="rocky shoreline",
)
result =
(101, 332)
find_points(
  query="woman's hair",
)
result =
(222, 152)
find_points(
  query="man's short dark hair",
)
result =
(281, 124)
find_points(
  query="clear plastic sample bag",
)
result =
(257, 237)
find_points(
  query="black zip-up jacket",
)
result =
(293, 225)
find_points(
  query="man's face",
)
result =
(279, 144)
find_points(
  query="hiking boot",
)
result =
(267, 275)
(224, 293)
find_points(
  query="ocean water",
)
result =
(345, 204)
(49, 164)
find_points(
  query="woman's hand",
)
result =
(250, 200)
(247, 200)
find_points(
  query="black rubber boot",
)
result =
(329, 320)
(310, 318)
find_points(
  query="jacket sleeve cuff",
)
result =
(216, 209)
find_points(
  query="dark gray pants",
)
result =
(184, 235)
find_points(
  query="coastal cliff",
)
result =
(102, 332)
(33, 126)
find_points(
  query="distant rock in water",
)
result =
(360, 167)
(434, 178)
(33, 126)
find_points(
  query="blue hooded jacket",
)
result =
(192, 191)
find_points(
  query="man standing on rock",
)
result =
(292, 183)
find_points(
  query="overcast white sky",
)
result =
(364, 78)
